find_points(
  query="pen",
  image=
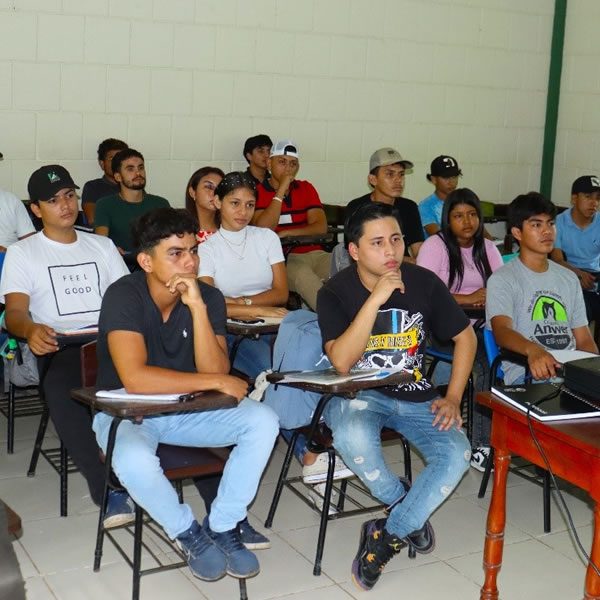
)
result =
(190, 396)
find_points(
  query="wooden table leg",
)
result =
(494, 535)
(592, 580)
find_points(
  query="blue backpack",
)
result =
(298, 347)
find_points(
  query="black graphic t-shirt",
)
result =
(398, 337)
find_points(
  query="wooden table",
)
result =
(573, 450)
(243, 331)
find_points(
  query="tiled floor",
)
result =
(55, 553)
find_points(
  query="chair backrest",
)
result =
(492, 352)
(89, 364)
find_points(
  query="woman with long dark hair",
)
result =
(463, 259)
(199, 199)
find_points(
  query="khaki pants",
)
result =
(306, 273)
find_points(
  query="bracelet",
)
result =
(278, 199)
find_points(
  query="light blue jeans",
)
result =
(252, 356)
(357, 425)
(252, 427)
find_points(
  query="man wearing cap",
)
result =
(577, 244)
(54, 281)
(387, 172)
(256, 151)
(444, 176)
(290, 207)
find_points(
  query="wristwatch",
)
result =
(247, 301)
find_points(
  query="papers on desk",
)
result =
(120, 395)
(564, 356)
(258, 322)
(331, 376)
(91, 330)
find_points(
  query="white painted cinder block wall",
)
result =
(186, 81)
(578, 139)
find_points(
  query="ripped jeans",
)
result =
(357, 425)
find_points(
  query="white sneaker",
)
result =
(317, 472)
(480, 457)
(315, 495)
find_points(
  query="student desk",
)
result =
(135, 410)
(328, 240)
(475, 311)
(573, 450)
(245, 330)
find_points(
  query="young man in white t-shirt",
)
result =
(54, 281)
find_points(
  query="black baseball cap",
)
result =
(256, 141)
(586, 184)
(444, 166)
(47, 180)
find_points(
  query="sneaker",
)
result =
(480, 457)
(120, 510)
(317, 496)
(375, 549)
(241, 563)
(252, 539)
(317, 472)
(205, 560)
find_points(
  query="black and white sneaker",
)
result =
(480, 457)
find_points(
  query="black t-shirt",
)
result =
(128, 306)
(407, 214)
(98, 188)
(403, 323)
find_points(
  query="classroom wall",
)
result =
(578, 139)
(186, 81)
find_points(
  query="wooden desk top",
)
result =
(473, 311)
(250, 330)
(207, 401)
(345, 388)
(581, 433)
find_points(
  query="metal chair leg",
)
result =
(243, 590)
(486, 474)
(325, 512)
(137, 552)
(547, 507)
(64, 480)
(37, 447)
(10, 434)
(282, 478)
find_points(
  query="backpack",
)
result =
(298, 347)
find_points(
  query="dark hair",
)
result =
(528, 205)
(110, 144)
(231, 182)
(456, 266)
(256, 141)
(149, 229)
(193, 183)
(122, 156)
(355, 223)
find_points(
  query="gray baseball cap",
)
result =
(387, 156)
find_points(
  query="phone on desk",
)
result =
(246, 321)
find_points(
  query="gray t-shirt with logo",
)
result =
(544, 307)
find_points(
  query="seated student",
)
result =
(161, 331)
(246, 263)
(577, 245)
(54, 280)
(533, 305)
(444, 176)
(380, 311)
(199, 199)
(290, 206)
(387, 172)
(114, 214)
(106, 185)
(257, 150)
(464, 260)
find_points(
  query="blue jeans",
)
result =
(251, 427)
(357, 425)
(253, 356)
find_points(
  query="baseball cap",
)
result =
(444, 166)
(256, 141)
(586, 184)
(285, 148)
(47, 180)
(387, 156)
